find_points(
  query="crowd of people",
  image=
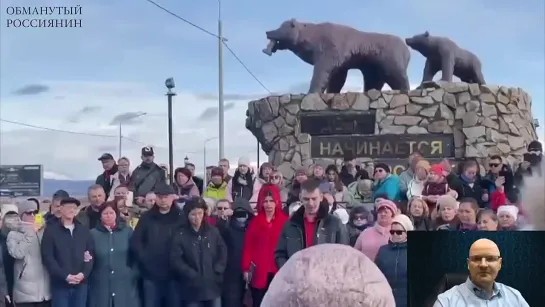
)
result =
(220, 240)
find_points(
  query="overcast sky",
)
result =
(88, 79)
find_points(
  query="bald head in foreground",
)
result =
(481, 289)
(329, 275)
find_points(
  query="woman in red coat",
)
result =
(260, 242)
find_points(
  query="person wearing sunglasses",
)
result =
(386, 183)
(499, 178)
(31, 282)
(392, 258)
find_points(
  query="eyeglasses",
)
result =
(379, 170)
(486, 258)
(360, 218)
(494, 164)
(396, 232)
(222, 208)
(35, 212)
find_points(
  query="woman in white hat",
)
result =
(392, 258)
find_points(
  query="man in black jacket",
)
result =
(233, 232)
(151, 244)
(55, 206)
(110, 168)
(67, 248)
(198, 257)
(146, 176)
(310, 225)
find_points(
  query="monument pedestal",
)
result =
(449, 120)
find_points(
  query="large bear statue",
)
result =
(333, 49)
(442, 54)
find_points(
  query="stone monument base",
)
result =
(448, 120)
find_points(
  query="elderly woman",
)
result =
(24, 244)
(372, 238)
(487, 220)
(507, 217)
(392, 258)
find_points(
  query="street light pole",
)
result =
(169, 83)
(221, 109)
(121, 132)
(205, 181)
(120, 141)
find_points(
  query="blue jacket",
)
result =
(390, 187)
(392, 262)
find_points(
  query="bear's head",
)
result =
(419, 42)
(285, 37)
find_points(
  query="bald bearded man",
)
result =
(481, 289)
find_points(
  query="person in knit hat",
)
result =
(507, 217)
(416, 185)
(184, 185)
(217, 188)
(436, 185)
(392, 258)
(445, 216)
(372, 238)
(386, 183)
(242, 183)
(329, 275)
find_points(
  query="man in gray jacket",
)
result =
(31, 282)
(146, 176)
(310, 225)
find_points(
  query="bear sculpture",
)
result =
(333, 49)
(442, 54)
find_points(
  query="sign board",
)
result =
(325, 123)
(21, 180)
(385, 146)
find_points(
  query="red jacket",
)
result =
(497, 198)
(211, 220)
(262, 237)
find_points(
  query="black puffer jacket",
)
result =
(233, 234)
(198, 261)
(151, 241)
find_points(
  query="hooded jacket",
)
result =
(262, 237)
(198, 259)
